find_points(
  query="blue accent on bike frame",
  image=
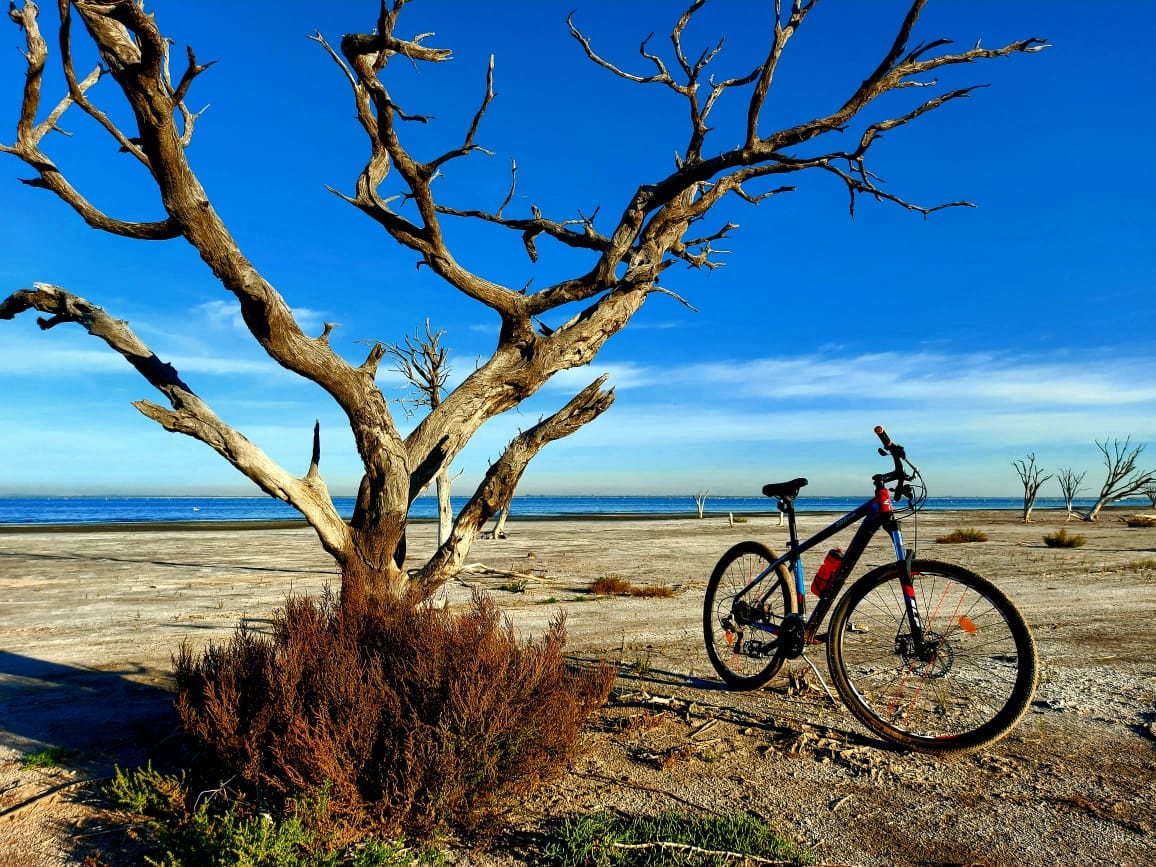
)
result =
(869, 509)
(897, 541)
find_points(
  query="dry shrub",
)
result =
(409, 717)
(659, 592)
(1061, 539)
(962, 536)
(1141, 520)
(612, 585)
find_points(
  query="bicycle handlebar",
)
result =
(898, 455)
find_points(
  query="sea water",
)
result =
(145, 510)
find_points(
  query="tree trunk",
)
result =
(445, 509)
(500, 526)
(373, 565)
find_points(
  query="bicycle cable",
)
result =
(914, 491)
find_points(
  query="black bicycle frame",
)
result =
(876, 514)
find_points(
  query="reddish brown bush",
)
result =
(411, 717)
(612, 585)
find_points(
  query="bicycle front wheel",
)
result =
(966, 688)
(741, 630)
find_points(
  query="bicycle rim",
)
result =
(967, 692)
(741, 649)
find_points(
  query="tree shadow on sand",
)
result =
(91, 720)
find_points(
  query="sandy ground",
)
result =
(89, 620)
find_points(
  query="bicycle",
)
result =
(925, 654)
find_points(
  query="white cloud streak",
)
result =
(913, 377)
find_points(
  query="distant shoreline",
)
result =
(53, 514)
(1040, 515)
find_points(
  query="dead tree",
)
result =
(1122, 479)
(700, 501)
(1070, 483)
(424, 363)
(655, 227)
(1149, 491)
(1033, 479)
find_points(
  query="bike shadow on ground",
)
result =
(710, 697)
(88, 721)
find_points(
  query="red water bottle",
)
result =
(827, 570)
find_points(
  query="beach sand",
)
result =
(89, 620)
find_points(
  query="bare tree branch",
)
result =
(1123, 477)
(501, 480)
(189, 414)
(425, 365)
(1032, 477)
(30, 134)
(1070, 483)
(78, 94)
(783, 33)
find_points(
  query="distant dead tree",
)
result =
(1070, 483)
(1032, 478)
(700, 501)
(1149, 491)
(1123, 479)
(629, 245)
(424, 363)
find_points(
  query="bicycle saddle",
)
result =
(788, 490)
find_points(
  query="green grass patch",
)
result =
(960, 536)
(516, 586)
(612, 585)
(1061, 539)
(53, 757)
(641, 665)
(669, 840)
(184, 832)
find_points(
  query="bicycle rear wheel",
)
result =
(740, 631)
(966, 691)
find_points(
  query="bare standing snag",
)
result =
(659, 225)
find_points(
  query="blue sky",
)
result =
(976, 336)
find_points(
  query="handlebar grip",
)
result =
(882, 434)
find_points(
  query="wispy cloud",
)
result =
(914, 377)
(57, 355)
(224, 313)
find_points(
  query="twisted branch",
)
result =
(188, 415)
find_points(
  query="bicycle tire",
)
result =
(976, 688)
(742, 661)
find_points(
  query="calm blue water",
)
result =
(133, 510)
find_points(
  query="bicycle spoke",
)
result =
(969, 680)
(741, 630)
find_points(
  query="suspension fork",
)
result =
(903, 558)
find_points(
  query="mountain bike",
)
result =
(926, 654)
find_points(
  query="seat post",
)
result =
(787, 504)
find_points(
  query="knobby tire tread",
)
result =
(999, 724)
